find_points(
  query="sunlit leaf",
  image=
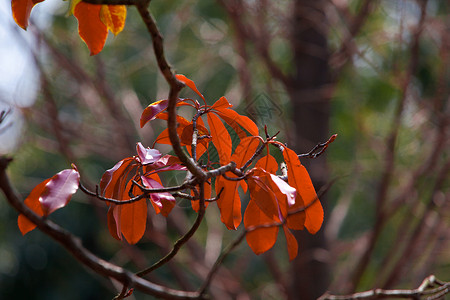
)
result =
(163, 137)
(245, 150)
(229, 202)
(190, 84)
(292, 245)
(113, 16)
(133, 219)
(151, 111)
(299, 178)
(222, 103)
(267, 163)
(223, 108)
(90, 27)
(114, 180)
(58, 191)
(147, 155)
(261, 239)
(262, 193)
(21, 10)
(284, 188)
(32, 201)
(220, 138)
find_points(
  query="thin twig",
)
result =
(181, 241)
(425, 289)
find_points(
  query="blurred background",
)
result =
(377, 73)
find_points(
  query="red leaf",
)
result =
(151, 111)
(222, 103)
(32, 201)
(59, 190)
(267, 163)
(245, 150)
(229, 202)
(113, 16)
(220, 138)
(147, 155)
(128, 219)
(232, 118)
(21, 10)
(299, 178)
(292, 245)
(261, 188)
(163, 137)
(262, 239)
(190, 84)
(113, 180)
(90, 27)
(133, 220)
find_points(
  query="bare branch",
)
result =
(431, 288)
(319, 148)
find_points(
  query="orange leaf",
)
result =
(220, 138)
(90, 27)
(232, 118)
(190, 84)
(21, 10)
(133, 219)
(262, 193)
(267, 163)
(245, 150)
(113, 16)
(299, 178)
(113, 180)
(32, 201)
(292, 245)
(222, 103)
(262, 239)
(229, 202)
(163, 137)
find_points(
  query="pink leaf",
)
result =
(147, 155)
(164, 202)
(59, 190)
(285, 188)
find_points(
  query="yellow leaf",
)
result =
(113, 16)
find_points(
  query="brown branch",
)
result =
(175, 88)
(319, 148)
(427, 288)
(181, 241)
(74, 246)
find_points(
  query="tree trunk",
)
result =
(310, 95)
